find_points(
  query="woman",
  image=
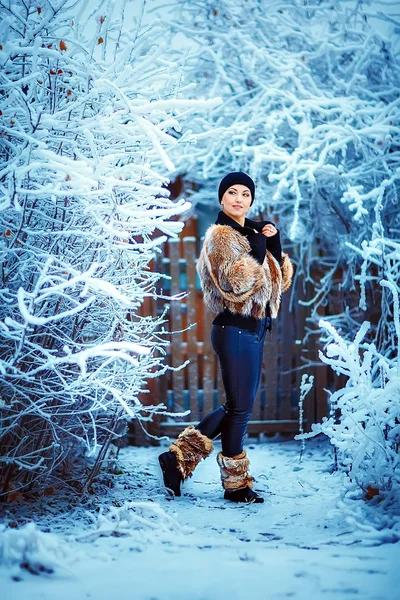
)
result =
(242, 272)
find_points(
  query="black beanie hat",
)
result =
(236, 177)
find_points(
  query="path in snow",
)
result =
(295, 545)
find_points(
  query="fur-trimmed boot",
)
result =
(183, 457)
(236, 480)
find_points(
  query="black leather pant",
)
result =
(240, 353)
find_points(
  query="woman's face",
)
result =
(236, 202)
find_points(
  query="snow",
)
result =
(129, 540)
(31, 549)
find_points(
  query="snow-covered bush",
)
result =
(364, 420)
(310, 110)
(89, 112)
(366, 432)
(364, 426)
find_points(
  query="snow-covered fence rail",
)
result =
(198, 386)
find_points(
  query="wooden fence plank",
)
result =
(285, 371)
(301, 313)
(176, 324)
(209, 359)
(271, 373)
(160, 266)
(321, 384)
(309, 403)
(189, 244)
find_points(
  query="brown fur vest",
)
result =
(231, 278)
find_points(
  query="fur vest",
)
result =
(231, 278)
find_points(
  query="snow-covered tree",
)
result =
(311, 110)
(89, 111)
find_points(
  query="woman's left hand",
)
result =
(269, 230)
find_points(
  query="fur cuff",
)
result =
(235, 471)
(287, 272)
(190, 447)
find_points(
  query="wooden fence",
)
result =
(198, 387)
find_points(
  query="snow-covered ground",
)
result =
(298, 544)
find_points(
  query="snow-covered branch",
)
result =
(310, 109)
(88, 124)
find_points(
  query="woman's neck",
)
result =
(237, 220)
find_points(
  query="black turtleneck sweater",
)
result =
(259, 244)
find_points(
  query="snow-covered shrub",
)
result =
(364, 420)
(89, 112)
(29, 549)
(366, 431)
(364, 427)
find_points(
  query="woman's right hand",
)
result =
(269, 230)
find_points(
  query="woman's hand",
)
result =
(269, 230)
